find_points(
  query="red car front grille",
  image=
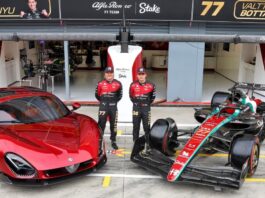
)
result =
(58, 172)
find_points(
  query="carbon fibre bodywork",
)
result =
(236, 130)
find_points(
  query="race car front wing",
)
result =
(157, 162)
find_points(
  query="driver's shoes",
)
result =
(114, 146)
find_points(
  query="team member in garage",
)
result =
(142, 94)
(33, 12)
(108, 93)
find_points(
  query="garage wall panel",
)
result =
(228, 60)
(3, 82)
(185, 67)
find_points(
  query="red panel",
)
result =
(137, 63)
(109, 61)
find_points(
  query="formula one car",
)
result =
(233, 125)
(56, 66)
(42, 142)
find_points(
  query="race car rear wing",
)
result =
(249, 86)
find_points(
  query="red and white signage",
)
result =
(125, 70)
(192, 146)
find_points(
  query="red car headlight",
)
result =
(20, 166)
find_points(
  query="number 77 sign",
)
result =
(229, 10)
(212, 7)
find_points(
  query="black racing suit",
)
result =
(142, 95)
(34, 15)
(108, 94)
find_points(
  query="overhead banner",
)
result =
(29, 9)
(146, 10)
(229, 10)
(113, 9)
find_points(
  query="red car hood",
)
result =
(54, 144)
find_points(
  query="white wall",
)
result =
(10, 65)
(247, 66)
(147, 54)
(13, 65)
(237, 63)
(228, 62)
(249, 51)
(259, 75)
(3, 82)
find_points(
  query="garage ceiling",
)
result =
(107, 31)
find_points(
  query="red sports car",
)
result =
(42, 141)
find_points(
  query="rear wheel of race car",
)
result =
(163, 136)
(254, 160)
(245, 148)
(219, 97)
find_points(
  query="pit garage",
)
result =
(223, 64)
(188, 54)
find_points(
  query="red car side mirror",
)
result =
(76, 106)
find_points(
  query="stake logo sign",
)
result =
(138, 10)
(145, 7)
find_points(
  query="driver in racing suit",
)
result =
(108, 93)
(245, 100)
(142, 94)
(33, 12)
(240, 97)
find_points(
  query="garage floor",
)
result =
(83, 83)
(120, 178)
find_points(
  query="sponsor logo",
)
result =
(147, 8)
(179, 162)
(249, 9)
(191, 146)
(103, 5)
(122, 69)
(174, 172)
(186, 154)
(70, 159)
(7, 10)
(110, 8)
(122, 76)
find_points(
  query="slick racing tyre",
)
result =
(219, 98)
(245, 149)
(163, 136)
(201, 114)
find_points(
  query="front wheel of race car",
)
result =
(163, 136)
(245, 149)
(219, 98)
